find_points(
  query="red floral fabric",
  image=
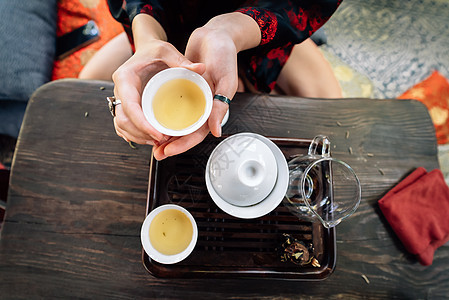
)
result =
(282, 23)
(266, 20)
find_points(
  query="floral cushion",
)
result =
(434, 93)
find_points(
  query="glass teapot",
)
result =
(321, 187)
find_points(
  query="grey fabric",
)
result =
(319, 37)
(11, 116)
(28, 36)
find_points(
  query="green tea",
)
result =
(171, 232)
(178, 104)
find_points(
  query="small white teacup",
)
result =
(169, 234)
(177, 101)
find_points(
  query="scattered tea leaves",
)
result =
(102, 88)
(315, 263)
(381, 171)
(131, 144)
(347, 135)
(350, 150)
(338, 123)
(86, 114)
(369, 154)
(365, 278)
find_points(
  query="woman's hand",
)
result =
(130, 80)
(219, 54)
(152, 55)
(216, 45)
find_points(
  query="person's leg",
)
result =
(111, 56)
(308, 74)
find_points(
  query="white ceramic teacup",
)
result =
(165, 77)
(179, 230)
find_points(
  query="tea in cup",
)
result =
(177, 101)
(169, 234)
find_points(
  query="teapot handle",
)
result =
(320, 139)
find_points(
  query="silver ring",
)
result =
(222, 99)
(112, 103)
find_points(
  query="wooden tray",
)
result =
(228, 246)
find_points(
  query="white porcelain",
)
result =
(225, 118)
(243, 170)
(276, 193)
(145, 236)
(164, 76)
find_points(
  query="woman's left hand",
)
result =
(217, 51)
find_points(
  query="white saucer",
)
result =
(270, 202)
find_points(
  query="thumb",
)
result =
(199, 68)
(174, 58)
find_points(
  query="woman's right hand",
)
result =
(151, 56)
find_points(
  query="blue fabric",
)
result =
(28, 36)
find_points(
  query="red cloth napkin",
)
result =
(418, 211)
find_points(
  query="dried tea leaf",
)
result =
(295, 251)
(365, 278)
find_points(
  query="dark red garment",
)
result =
(418, 211)
(282, 23)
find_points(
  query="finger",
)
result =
(173, 58)
(184, 143)
(226, 85)
(130, 137)
(216, 117)
(125, 128)
(199, 68)
(158, 151)
(126, 90)
(220, 108)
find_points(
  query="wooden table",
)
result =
(78, 194)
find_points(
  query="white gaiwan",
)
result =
(247, 175)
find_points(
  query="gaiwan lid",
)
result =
(247, 175)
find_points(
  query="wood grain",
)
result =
(78, 192)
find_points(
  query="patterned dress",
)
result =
(283, 23)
